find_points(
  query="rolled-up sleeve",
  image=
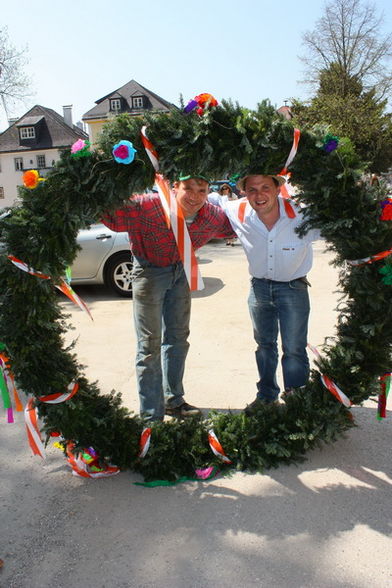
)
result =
(121, 220)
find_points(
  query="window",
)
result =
(41, 161)
(115, 104)
(18, 163)
(27, 133)
(137, 102)
(1, 192)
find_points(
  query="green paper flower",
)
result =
(387, 271)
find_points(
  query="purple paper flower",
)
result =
(124, 152)
(190, 106)
(330, 146)
(330, 143)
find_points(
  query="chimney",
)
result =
(67, 113)
(11, 121)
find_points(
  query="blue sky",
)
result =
(246, 50)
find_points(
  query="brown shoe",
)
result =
(251, 408)
(182, 411)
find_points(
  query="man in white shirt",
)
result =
(279, 260)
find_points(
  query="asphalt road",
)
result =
(324, 524)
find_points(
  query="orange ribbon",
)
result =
(330, 385)
(175, 220)
(82, 469)
(370, 259)
(144, 443)
(58, 397)
(216, 447)
(33, 434)
(62, 286)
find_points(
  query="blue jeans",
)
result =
(161, 309)
(280, 306)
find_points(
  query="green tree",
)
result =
(348, 36)
(349, 110)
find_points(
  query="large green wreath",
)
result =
(42, 232)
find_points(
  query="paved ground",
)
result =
(325, 523)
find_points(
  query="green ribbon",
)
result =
(68, 275)
(155, 483)
(3, 384)
(4, 391)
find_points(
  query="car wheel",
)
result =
(118, 274)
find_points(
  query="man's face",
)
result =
(191, 195)
(262, 194)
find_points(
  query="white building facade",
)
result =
(34, 141)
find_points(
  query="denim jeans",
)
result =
(280, 306)
(161, 309)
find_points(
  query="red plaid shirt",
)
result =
(144, 221)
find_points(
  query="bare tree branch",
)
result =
(348, 34)
(14, 83)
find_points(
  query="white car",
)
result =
(104, 258)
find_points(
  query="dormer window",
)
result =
(27, 132)
(137, 102)
(115, 104)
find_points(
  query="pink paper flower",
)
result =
(80, 149)
(205, 473)
(124, 152)
(78, 146)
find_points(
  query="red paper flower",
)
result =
(203, 101)
(386, 206)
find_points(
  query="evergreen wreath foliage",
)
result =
(227, 139)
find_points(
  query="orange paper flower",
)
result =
(206, 99)
(31, 179)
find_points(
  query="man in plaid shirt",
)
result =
(161, 294)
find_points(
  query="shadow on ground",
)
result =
(290, 527)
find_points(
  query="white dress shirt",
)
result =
(279, 254)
